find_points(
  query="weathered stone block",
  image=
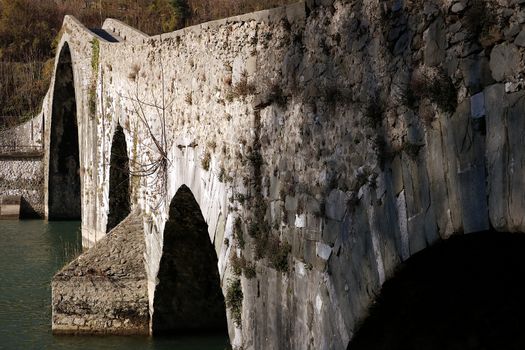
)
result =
(477, 105)
(101, 292)
(435, 40)
(504, 61)
(474, 199)
(335, 206)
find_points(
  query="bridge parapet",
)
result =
(125, 31)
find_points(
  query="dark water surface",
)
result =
(30, 253)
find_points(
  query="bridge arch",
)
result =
(188, 296)
(119, 180)
(462, 293)
(64, 198)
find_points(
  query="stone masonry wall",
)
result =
(24, 177)
(325, 143)
(28, 134)
(21, 172)
(104, 291)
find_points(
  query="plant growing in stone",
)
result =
(222, 174)
(249, 270)
(432, 83)
(206, 160)
(480, 20)
(411, 149)
(273, 93)
(158, 166)
(233, 300)
(95, 56)
(188, 98)
(240, 265)
(238, 232)
(133, 75)
(278, 252)
(373, 112)
(242, 89)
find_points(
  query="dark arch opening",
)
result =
(119, 195)
(188, 297)
(64, 165)
(464, 293)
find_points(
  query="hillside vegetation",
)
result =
(28, 31)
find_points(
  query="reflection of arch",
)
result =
(64, 178)
(119, 195)
(463, 293)
(188, 296)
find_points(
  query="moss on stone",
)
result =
(95, 57)
(233, 300)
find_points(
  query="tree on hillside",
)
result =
(27, 29)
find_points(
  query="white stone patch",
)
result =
(376, 245)
(403, 225)
(449, 229)
(237, 337)
(318, 303)
(322, 176)
(323, 250)
(300, 269)
(273, 212)
(300, 220)
(251, 65)
(336, 205)
(477, 105)
(238, 68)
(225, 249)
(513, 86)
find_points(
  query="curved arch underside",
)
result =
(464, 293)
(64, 165)
(119, 191)
(188, 297)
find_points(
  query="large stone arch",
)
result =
(461, 293)
(188, 296)
(64, 194)
(119, 180)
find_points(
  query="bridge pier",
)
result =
(104, 290)
(9, 207)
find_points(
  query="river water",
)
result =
(30, 253)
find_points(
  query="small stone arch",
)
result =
(119, 180)
(188, 296)
(462, 293)
(64, 198)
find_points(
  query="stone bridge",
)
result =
(276, 168)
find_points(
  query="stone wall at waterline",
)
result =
(21, 167)
(325, 143)
(104, 291)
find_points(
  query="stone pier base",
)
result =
(9, 207)
(104, 290)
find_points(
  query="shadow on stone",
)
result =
(463, 293)
(27, 212)
(188, 297)
(64, 164)
(119, 193)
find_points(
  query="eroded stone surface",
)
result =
(298, 123)
(21, 166)
(104, 290)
